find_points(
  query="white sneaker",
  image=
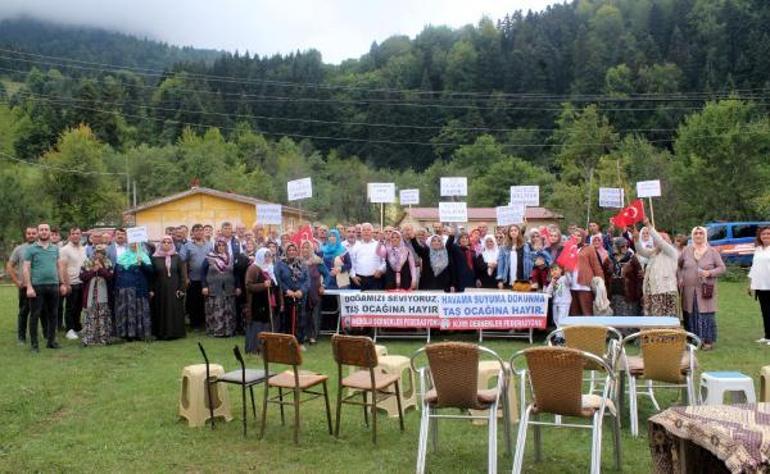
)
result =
(72, 335)
(763, 340)
(302, 347)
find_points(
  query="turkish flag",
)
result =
(569, 255)
(304, 233)
(630, 215)
(546, 235)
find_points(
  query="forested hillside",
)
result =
(586, 94)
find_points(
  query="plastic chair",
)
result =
(668, 358)
(359, 351)
(451, 380)
(284, 349)
(555, 376)
(244, 377)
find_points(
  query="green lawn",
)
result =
(114, 409)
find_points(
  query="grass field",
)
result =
(114, 409)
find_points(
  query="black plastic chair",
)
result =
(244, 377)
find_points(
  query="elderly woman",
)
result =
(699, 266)
(514, 262)
(294, 284)
(625, 282)
(318, 274)
(133, 274)
(438, 272)
(168, 287)
(220, 291)
(400, 269)
(260, 300)
(95, 274)
(486, 263)
(659, 288)
(464, 259)
(337, 260)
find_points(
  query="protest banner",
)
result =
(482, 310)
(299, 189)
(611, 197)
(647, 189)
(409, 197)
(527, 195)
(454, 186)
(381, 193)
(269, 214)
(511, 214)
(136, 235)
(452, 212)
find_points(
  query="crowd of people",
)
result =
(233, 280)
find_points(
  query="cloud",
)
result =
(340, 29)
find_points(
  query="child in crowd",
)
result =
(559, 289)
(539, 276)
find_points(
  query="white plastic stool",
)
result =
(714, 385)
(396, 364)
(194, 399)
(764, 384)
(488, 370)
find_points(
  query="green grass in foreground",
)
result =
(114, 409)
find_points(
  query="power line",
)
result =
(6, 156)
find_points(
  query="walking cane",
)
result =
(294, 317)
(270, 308)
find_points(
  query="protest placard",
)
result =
(611, 197)
(299, 189)
(454, 186)
(409, 196)
(384, 193)
(269, 214)
(136, 235)
(511, 214)
(452, 212)
(647, 189)
(527, 195)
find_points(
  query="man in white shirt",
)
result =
(72, 255)
(350, 238)
(368, 266)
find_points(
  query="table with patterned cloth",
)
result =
(711, 438)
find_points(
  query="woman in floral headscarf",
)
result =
(294, 283)
(95, 274)
(438, 268)
(400, 269)
(133, 274)
(220, 291)
(168, 288)
(260, 299)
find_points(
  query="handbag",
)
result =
(343, 279)
(522, 286)
(707, 290)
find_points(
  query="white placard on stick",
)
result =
(511, 214)
(136, 235)
(454, 186)
(409, 196)
(299, 189)
(527, 195)
(452, 212)
(382, 192)
(611, 197)
(269, 214)
(646, 189)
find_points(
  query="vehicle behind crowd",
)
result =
(735, 241)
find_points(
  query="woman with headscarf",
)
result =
(645, 242)
(260, 299)
(464, 259)
(318, 274)
(625, 280)
(337, 260)
(168, 287)
(659, 287)
(241, 264)
(699, 266)
(294, 283)
(96, 274)
(438, 272)
(220, 290)
(486, 263)
(514, 262)
(133, 274)
(400, 269)
(588, 267)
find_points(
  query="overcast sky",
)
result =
(340, 29)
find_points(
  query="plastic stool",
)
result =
(488, 370)
(381, 352)
(714, 385)
(764, 384)
(193, 399)
(396, 364)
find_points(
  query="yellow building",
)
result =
(204, 206)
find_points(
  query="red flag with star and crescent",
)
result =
(569, 255)
(304, 233)
(630, 215)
